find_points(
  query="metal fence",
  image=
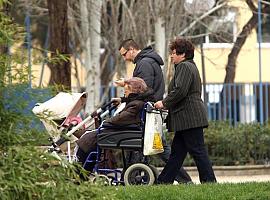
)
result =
(238, 102)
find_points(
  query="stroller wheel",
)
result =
(139, 174)
(101, 179)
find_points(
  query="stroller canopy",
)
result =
(62, 106)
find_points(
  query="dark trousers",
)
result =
(188, 141)
(182, 175)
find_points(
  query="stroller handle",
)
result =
(101, 109)
(94, 114)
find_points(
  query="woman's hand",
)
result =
(159, 105)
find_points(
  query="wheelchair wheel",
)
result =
(155, 171)
(139, 174)
(101, 179)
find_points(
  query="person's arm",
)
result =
(127, 115)
(183, 81)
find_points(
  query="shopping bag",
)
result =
(153, 133)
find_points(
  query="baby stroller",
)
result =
(58, 115)
(108, 137)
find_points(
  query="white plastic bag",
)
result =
(153, 133)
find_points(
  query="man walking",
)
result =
(147, 67)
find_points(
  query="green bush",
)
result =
(239, 145)
(26, 173)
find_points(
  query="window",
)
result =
(265, 28)
(222, 29)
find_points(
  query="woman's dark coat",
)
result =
(186, 108)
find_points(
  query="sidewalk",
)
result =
(237, 179)
(236, 174)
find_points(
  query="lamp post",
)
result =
(28, 40)
(197, 7)
(260, 62)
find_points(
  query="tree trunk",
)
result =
(93, 74)
(59, 39)
(160, 40)
(241, 39)
(86, 46)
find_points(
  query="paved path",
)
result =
(237, 179)
(236, 174)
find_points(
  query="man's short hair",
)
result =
(181, 45)
(127, 44)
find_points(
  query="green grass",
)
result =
(240, 191)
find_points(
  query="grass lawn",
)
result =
(239, 191)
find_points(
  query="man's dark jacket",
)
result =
(148, 68)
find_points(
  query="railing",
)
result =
(238, 102)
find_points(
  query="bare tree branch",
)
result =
(201, 17)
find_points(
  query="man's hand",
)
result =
(120, 82)
(159, 105)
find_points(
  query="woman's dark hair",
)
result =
(137, 85)
(129, 43)
(181, 45)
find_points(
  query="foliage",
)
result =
(239, 145)
(26, 173)
(9, 31)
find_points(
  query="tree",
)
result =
(59, 41)
(5, 36)
(241, 39)
(93, 75)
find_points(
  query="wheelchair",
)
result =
(126, 138)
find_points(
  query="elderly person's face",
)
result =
(177, 58)
(128, 90)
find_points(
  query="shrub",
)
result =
(239, 145)
(26, 173)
